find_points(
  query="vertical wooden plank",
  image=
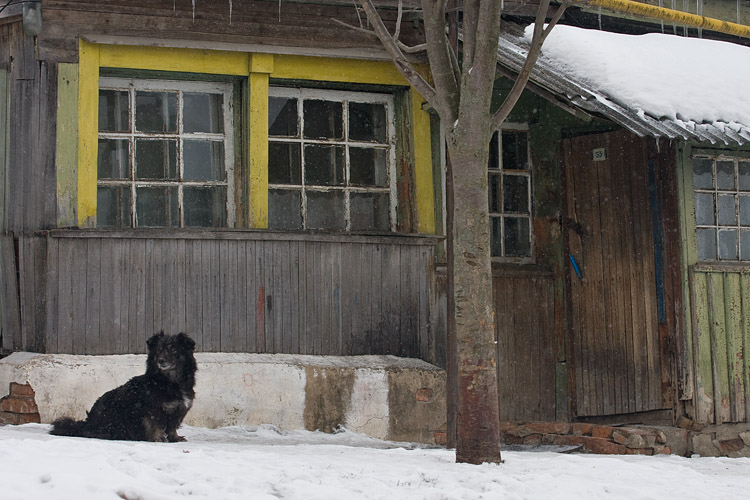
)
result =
(304, 283)
(377, 309)
(745, 328)
(66, 149)
(335, 311)
(180, 290)
(225, 297)
(4, 165)
(65, 304)
(93, 296)
(348, 295)
(79, 285)
(260, 298)
(140, 297)
(194, 292)
(702, 356)
(312, 327)
(292, 299)
(243, 307)
(251, 292)
(733, 312)
(282, 279)
(108, 294)
(51, 294)
(124, 272)
(718, 342)
(213, 267)
(272, 288)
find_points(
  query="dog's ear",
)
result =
(154, 339)
(186, 341)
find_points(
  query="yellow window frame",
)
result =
(259, 69)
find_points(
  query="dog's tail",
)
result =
(66, 426)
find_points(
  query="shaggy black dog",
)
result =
(148, 407)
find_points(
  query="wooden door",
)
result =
(613, 310)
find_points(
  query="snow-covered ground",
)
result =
(266, 463)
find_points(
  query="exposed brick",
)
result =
(17, 389)
(731, 445)
(581, 429)
(28, 418)
(17, 404)
(602, 431)
(548, 427)
(441, 438)
(424, 394)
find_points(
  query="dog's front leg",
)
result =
(154, 432)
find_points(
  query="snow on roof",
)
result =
(654, 84)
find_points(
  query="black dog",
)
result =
(148, 407)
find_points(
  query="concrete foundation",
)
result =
(383, 396)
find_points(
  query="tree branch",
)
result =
(535, 49)
(447, 81)
(399, 59)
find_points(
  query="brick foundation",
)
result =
(19, 407)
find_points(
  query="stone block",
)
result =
(729, 446)
(603, 446)
(548, 427)
(745, 436)
(703, 445)
(662, 450)
(582, 429)
(602, 431)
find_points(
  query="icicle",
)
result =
(600, 19)
(279, 10)
(230, 12)
(193, 10)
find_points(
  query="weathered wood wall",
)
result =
(720, 309)
(526, 359)
(89, 292)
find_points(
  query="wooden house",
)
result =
(261, 176)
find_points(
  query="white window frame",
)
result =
(344, 97)
(134, 84)
(528, 173)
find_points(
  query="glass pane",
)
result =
(368, 167)
(204, 206)
(156, 207)
(725, 174)
(704, 209)
(112, 161)
(494, 193)
(703, 173)
(706, 244)
(496, 243)
(744, 175)
(494, 162)
(744, 245)
(156, 111)
(203, 113)
(284, 209)
(323, 119)
(367, 122)
(155, 159)
(113, 206)
(369, 211)
(515, 151)
(727, 212)
(114, 106)
(324, 165)
(516, 236)
(284, 164)
(325, 210)
(744, 210)
(515, 194)
(282, 117)
(728, 245)
(203, 161)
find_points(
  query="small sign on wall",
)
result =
(600, 154)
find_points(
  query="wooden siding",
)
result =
(526, 361)
(233, 292)
(720, 310)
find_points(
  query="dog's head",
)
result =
(172, 355)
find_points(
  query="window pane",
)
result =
(494, 193)
(203, 113)
(324, 165)
(703, 173)
(156, 111)
(706, 244)
(704, 209)
(367, 122)
(323, 119)
(728, 245)
(284, 209)
(284, 165)
(369, 211)
(515, 151)
(203, 161)
(112, 161)
(496, 244)
(744, 245)
(515, 194)
(282, 117)
(725, 174)
(204, 206)
(744, 175)
(155, 159)
(744, 210)
(726, 208)
(368, 167)
(156, 207)
(114, 108)
(494, 161)
(113, 206)
(325, 210)
(516, 237)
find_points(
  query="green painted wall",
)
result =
(66, 153)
